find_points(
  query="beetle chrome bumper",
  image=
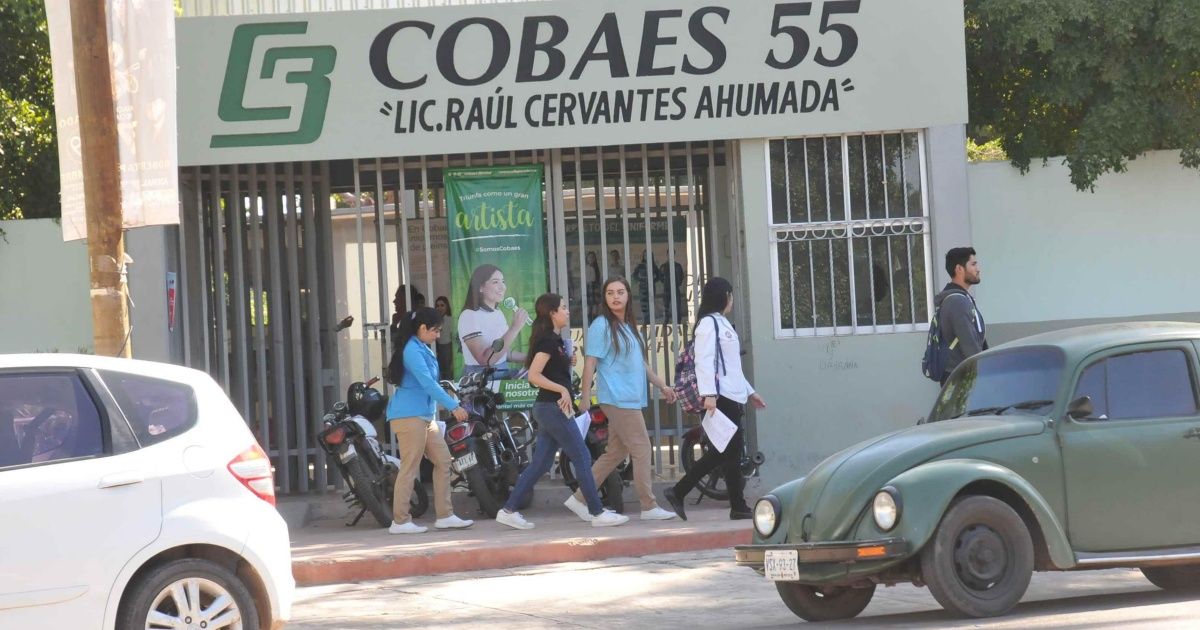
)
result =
(825, 552)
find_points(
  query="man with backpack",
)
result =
(957, 329)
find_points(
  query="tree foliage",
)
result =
(1099, 82)
(29, 185)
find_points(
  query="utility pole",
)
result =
(101, 176)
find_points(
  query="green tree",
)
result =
(28, 147)
(1099, 82)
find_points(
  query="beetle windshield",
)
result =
(1017, 381)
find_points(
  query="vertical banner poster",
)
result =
(498, 268)
(141, 53)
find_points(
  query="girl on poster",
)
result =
(481, 322)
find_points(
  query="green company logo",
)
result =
(237, 71)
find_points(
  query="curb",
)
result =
(317, 572)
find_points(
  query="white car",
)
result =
(132, 495)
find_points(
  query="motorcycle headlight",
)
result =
(886, 508)
(766, 515)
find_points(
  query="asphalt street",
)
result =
(706, 590)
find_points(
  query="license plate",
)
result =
(349, 453)
(782, 565)
(462, 464)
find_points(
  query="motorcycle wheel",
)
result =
(611, 491)
(369, 494)
(418, 502)
(477, 481)
(567, 472)
(713, 484)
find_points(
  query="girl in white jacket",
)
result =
(723, 386)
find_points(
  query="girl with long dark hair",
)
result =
(554, 411)
(445, 342)
(723, 386)
(481, 322)
(414, 371)
(615, 353)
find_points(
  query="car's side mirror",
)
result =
(1081, 407)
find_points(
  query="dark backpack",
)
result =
(937, 349)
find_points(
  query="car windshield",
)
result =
(1017, 381)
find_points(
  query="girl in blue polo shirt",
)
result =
(414, 371)
(615, 353)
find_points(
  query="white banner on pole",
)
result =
(141, 47)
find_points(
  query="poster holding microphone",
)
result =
(498, 269)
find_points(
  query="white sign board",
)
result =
(525, 75)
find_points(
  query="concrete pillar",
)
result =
(155, 253)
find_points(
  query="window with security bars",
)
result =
(850, 234)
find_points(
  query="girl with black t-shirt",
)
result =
(554, 410)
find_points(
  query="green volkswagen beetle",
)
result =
(1077, 449)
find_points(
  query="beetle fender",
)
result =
(927, 490)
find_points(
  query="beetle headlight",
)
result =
(766, 515)
(886, 508)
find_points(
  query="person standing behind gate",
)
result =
(414, 371)
(723, 386)
(958, 316)
(445, 342)
(673, 295)
(554, 412)
(614, 352)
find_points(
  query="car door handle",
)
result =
(1193, 432)
(116, 480)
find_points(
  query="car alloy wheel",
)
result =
(194, 603)
(191, 593)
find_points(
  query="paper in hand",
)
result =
(719, 428)
(584, 420)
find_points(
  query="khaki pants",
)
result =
(418, 437)
(626, 436)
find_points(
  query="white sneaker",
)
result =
(658, 514)
(579, 508)
(453, 522)
(513, 520)
(609, 518)
(407, 528)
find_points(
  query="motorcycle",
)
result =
(352, 443)
(488, 449)
(611, 491)
(695, 444)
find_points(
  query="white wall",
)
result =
(1049, 252)
(43, 289)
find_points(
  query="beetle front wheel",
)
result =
(980, 559)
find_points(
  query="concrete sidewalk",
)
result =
(326, 551)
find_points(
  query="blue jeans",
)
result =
(555, 431)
